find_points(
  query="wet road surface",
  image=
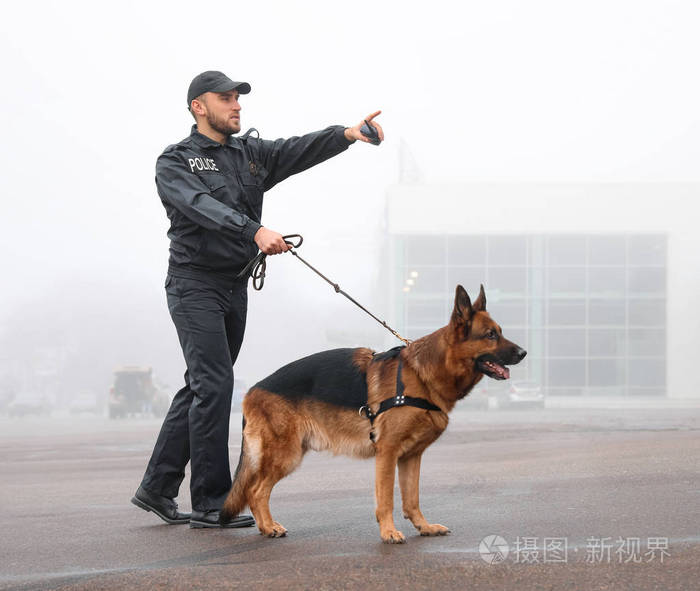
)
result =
(582, 499)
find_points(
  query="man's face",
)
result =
(222, 111)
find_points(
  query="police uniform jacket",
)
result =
(213, 194)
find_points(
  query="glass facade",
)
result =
(590, 309)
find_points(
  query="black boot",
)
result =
(211, 519)
(163, 507)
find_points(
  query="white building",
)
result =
(599, 282)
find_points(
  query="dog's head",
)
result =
(476, 340)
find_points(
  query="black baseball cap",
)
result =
(213, 81)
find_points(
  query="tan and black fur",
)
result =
(312, 404)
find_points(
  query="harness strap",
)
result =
(400, 399)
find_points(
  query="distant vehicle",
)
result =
(28, 404)
(520, 394)
(133, 393)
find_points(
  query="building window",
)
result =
(590, 309)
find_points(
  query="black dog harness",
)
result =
(400, 399)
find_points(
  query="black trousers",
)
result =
(210, 322)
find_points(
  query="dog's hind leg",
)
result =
(385, 468)
(409, 476)
(272, 444)
(260, 507)
(279, 454)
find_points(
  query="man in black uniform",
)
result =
(211, 185)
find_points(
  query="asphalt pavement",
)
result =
(540, 499)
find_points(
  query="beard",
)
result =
(223, 124)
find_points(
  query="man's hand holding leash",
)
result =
(270, 242)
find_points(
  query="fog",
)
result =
(471, 92)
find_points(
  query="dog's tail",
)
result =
(237, 498)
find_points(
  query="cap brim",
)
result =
(241, 87)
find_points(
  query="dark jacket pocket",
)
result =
(213, 181)
(253, 188)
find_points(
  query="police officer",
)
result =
(211, 185)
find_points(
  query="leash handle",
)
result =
(288, 240)
(257, 265)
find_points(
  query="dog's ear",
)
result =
(462, 312)
(480, 302)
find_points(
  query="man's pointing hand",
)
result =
(354, 133)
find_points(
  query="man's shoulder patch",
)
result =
(202, 163)
(195, 162)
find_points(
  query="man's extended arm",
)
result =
(285, 157)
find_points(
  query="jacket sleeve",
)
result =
(187, 193)
(284, 157)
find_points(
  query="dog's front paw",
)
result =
(433, 529)
(276, 531)
(393, 536)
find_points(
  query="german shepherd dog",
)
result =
(313, 404)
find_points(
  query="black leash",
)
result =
(257, 266)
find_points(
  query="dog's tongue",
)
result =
(502, 371)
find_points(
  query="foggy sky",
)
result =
(498, 91)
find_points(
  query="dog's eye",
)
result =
(492, 334)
